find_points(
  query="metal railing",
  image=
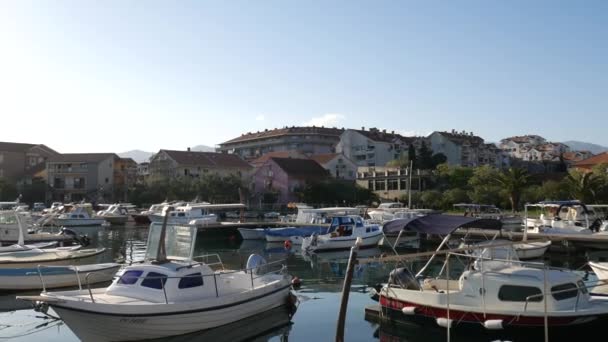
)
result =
(578, 290)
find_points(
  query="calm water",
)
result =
(315, 319)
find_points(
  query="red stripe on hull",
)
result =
(478, 318)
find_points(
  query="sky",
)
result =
(111, 76)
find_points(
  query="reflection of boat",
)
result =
(515, 294)
(17, 279)
(261, 327)
(170, 294)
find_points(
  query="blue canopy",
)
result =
(562, 203)
(439, 224)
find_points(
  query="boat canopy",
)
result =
(439, 224)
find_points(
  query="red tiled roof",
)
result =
(269, 133)
(303, 168)
(278, 154)
(595, 160)
(324, 158)
(209, 159)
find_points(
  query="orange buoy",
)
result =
(287, 244)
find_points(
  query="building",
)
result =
(20, 163)
(466, 149)
(78, 176)
(125, 177)
(278, 154)
(281, 178)
(170, 164)
(374, 147)
(306, 140)
(588, 164)
(518, 146)
(572, 157)
(391, 183)
(337, 164)
(143, 172)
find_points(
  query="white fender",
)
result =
(409, 310)
(444, 322)
(493, 324)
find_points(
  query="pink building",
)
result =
(282, 177)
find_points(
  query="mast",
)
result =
(161, 254)
(21, 241)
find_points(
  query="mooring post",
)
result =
(346, 290)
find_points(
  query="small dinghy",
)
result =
(21, 279)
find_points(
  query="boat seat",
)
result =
(430, 284)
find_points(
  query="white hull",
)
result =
(532, 250)
(50, 258)
(95, 326)
(79, 222)
(600, 269)
(99, 273)
(252, 234)
(343, 242)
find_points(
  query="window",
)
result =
(393, 184)
(130, 277)
(402, 183)
(514, 293)
(569, 291)
(191, 280)
(370, 184)
(154, 280)
(380, 185)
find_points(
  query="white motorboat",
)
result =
(30, 257)
(562, 217)
(116, 214)
(295, 234)
(80, 215)
(253, 233)
(342, 234)
(170, 294)
(531, 249)
(47, 277)
(514, 294)
(197, 214)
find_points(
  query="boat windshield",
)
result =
(179, 242)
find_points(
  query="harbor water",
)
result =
(319, 296)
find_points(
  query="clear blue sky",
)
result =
(88, 76)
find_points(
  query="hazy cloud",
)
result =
(330, 119)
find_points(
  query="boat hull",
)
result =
(29, 279)
(93, 326)
(81, 257)
(78, 222)
(531, 250)
(252, 233)
(141, 218)
(392, 308)
(343, 243)
(116, 220)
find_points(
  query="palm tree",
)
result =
(583, 185)
(513, 181)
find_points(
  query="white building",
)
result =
(466, 149)
(338, 165)
(373, 147)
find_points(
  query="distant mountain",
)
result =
(137, 155)
(203, 148)
(583, 146)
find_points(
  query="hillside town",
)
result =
(275, 166)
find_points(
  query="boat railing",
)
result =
(162, 279)
(218, 260)
(75, 269)
(578, 293)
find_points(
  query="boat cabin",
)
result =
(347, 225)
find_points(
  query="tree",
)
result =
(431, 199)
(411, 154)
(583, 185)
(513, 181)
(8, 190)
(454, 196)
(483, 189)
(425, 158)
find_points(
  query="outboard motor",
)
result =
(596, 225)
(403, 278)
(82, 240)
(255, 263)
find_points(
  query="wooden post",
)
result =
(346, 290)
